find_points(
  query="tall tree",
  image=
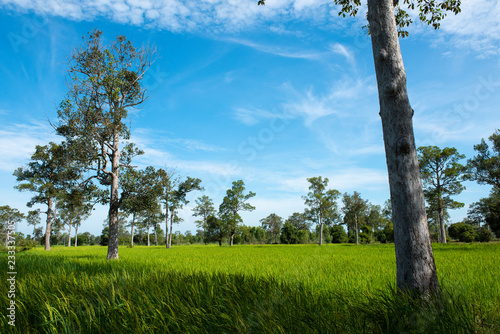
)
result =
(487, 210)
(204, 208)
(442, 177)
(355, 211)
(485, 166)
(234, 202)
(104, 83)
(272, 224)
(177, 200)
(33, 218)
(9, 216)
(168, 181)
(49, 173)
(416, 270)
(322, 203)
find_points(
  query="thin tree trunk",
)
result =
(69, 235)
(356, 227)
(156, 236)
(114, 202)
(132, 231)
(172, 212)
(416, 270)
(76, 234)
(320, 231)
(442, 230)
(166, 225)
(48, 228)
(148, 237)
(232, 238)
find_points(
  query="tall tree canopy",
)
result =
(204, 208)
(322, 203)
(387, 19)
(49, 173)
(234, 202)
(442, 177)
(104, 83)
(355, 211)
(272, 224)
(485, 166)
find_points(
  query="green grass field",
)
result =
(249, 289)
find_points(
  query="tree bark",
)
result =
(442, 230)
(156, 236)
(232, 238)
(48, 227)
(357, 228)
(148, 237)
(76, 235)
(169, 244)
(416, 270)
(69, 235)
(320, 231)
(114, 201)
(132, 231)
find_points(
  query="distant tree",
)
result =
(168, 180)
(234, 202)
(442, 177)
(216, 230)
(288, 233)
(104, 83)
(33, 218)
(322, 203)
(462, 232)
(272, 224)
(9, 216)
(355, 212)
(48, 174)
(177, 199)
(487, 211)
(338, 234)
(204, 208)
(485, 166)
(299, 221)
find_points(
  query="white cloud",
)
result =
(278, 51)
(18, 142)
(254, 115)
(343, 51)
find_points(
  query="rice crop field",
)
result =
(249, 289)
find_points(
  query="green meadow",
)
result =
(249, 289)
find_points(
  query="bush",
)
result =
(462, 232)
(380, 236)
(389, 232)
(365, 237)
(484, 235)
(338, 234)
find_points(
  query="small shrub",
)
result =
(484, 235)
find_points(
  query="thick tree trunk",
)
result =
(416, 270)
(76, 235)
(114, 202)
(48, 228)
(69, 235)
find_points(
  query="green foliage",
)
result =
(288, 234)
(338, 234)
(462, 232)
(249, 289)
(485, 166)
(272, 224)
(484, 235)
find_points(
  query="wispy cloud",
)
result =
(251, 116)
(343, 51)
(278, 51)
(18, 142)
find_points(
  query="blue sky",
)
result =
(270, 95)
